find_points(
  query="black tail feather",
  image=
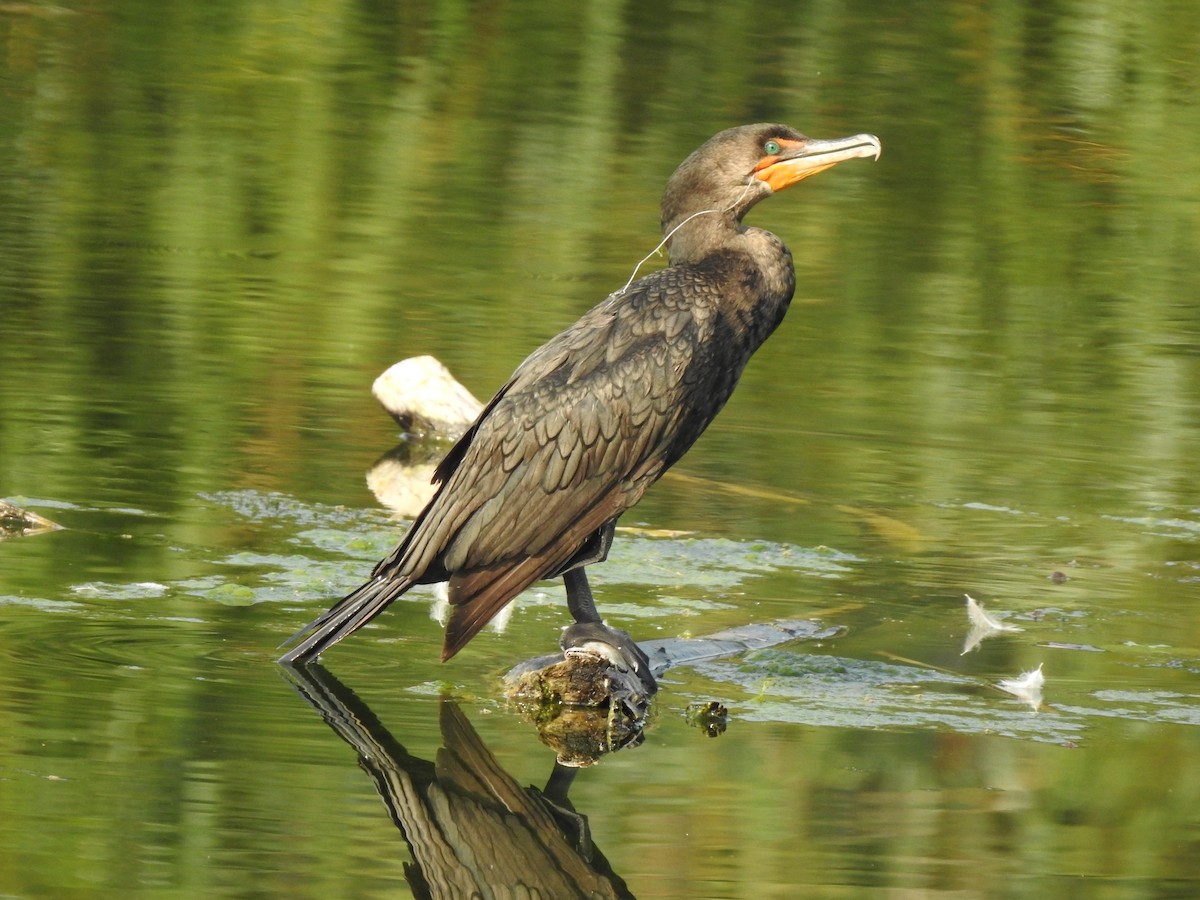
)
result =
(344, 618)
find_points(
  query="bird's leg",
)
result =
(580, 601)
(589, 634)
(594, 550)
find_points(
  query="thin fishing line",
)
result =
(669, 234)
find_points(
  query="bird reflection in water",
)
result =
(471, 828)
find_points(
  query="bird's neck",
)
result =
(691, 238)
(705, 237)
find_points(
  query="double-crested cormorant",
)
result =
(595, 416)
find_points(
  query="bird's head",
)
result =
(733, 170)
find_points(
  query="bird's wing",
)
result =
(543, 456)
(586, 425)
(580, 463)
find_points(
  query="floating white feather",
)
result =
(1027, 686)
(982, 625)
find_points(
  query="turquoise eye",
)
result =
(771, 148)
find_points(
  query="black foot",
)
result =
(613, 644)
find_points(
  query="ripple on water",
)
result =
(76, 638)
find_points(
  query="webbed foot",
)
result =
(613, 644)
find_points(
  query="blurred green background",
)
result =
(220, 221)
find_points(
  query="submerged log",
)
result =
(17, 522)
(560, 678)
(583, 706)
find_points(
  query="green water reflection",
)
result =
(220, 221)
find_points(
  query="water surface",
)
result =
(220, 222)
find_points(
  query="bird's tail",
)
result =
(343, 618)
